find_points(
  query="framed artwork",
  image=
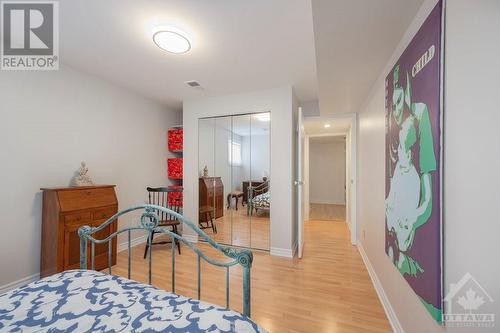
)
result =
(413, 155)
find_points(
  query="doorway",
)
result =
(327, 177)
(329, 172)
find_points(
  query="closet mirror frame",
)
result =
(231, 166)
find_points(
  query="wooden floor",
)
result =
(239, 229)
(327, 212)
(329, 290)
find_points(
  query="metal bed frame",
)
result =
(253, 192)
(149, 223)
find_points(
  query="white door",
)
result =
(300, 182)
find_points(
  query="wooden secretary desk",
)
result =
(211, 194)
(66, 209)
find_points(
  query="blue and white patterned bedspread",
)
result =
(89, 301)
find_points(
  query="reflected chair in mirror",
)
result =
(160, 196)
(259, 198)
(235, 195)
(206, 218)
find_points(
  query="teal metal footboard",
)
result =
(149, 223)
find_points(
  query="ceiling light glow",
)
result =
(263, 116)
(327, 125)
(172, 40)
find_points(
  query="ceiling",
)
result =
(237, 46)
(354, 40)
(315, 126)
(331, 50)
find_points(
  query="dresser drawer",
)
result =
(77, 199)
(104, 213)
(77, 218)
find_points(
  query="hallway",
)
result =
(328, 212)
(328, 291)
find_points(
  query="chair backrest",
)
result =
(159, 196)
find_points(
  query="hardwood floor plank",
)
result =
(327, 212)
(329, 290)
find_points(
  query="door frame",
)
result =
(351, 172)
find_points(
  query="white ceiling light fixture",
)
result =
(172, 40)
(263, 116)
(327, 125)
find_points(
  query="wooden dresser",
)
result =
(66, 209)
(211, 193)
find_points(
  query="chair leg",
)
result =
(236, 203)
(212, 224)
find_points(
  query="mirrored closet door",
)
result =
(234, 180)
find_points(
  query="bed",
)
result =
(262, 201)
(259, 198)
(85, 300)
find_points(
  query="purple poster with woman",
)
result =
(413, 163)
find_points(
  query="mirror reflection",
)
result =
(234, 182)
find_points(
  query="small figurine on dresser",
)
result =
(82, 179)
(205, 172)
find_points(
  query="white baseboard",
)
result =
(276, 251)
(121, 247)
(28, 279)
(19, 283)
(389, 311)
(143, 239)
(191, 238)
(133, 242)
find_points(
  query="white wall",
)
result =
(279, 102)
(51, 121)
(471, 163)
(255, 164)
(310, 109)
(327, 170)
(472, 146)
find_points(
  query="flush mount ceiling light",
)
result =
(172, 40)
(263, 116)
(327, 125)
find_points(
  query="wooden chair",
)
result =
(206, 211)
(236, 195)
(159, 196)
